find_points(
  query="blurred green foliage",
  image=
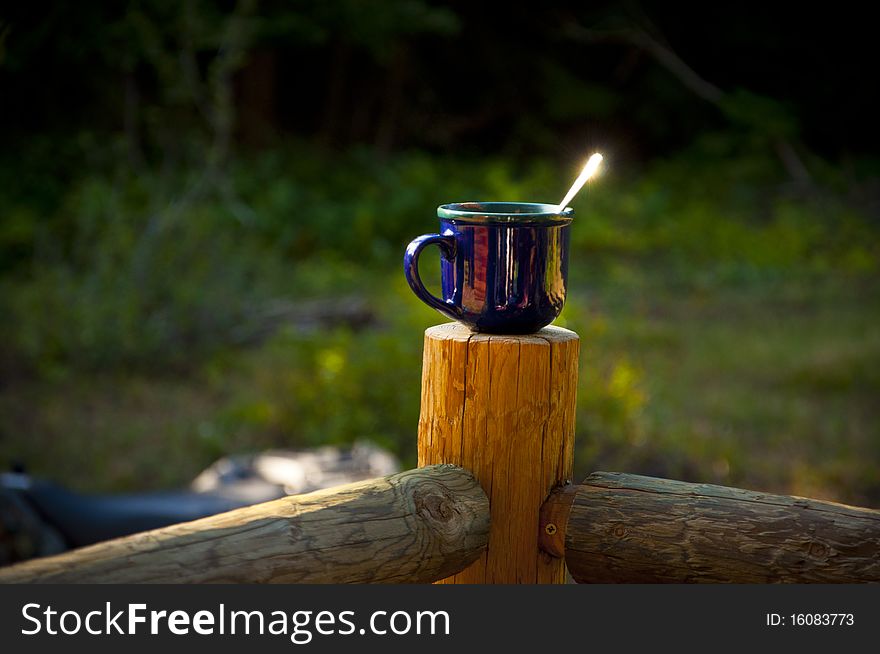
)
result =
(133, 272)
(729, 323)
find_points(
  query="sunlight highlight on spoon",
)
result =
(588, 171)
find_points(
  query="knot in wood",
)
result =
(619, 531)
(435, 506)
(817, 550)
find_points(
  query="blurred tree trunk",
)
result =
(329, 132)
(256, 92)
(392, 99)
(131, 121)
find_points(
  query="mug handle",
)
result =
(446, 243)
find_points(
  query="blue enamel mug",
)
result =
(503, 267)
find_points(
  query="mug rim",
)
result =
(501, 212)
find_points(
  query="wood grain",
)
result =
(416, 526)
(504, 408)
(632, 529)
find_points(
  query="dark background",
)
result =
(456, 76)
(203, 207)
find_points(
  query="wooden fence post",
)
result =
(503, 407)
